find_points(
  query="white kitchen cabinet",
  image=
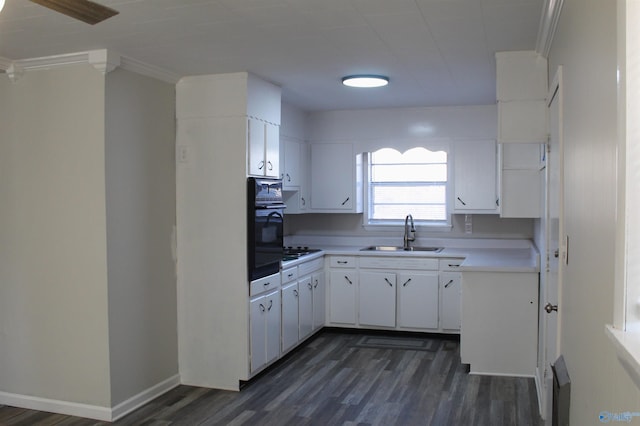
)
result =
(305, 317)
(522, 121)
(263, 148)
(500, 322)
(264, 329)
(336, 178)
(475, 176)
(450, 287)
(290, 299)
(343, 283)
(520, 180)
(291, 156)
(418, 299)
(377, 298)
(319, 299)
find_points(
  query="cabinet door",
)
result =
(332, 176)
(256, 148)
(272, 150)
(258, 337)
(306, 307)
(450, 311)
(319, 301)
(377, 298)
(418, 300)
(273, 321)
(289, 316)
(475, 174)
(291, 163)
(342, 294)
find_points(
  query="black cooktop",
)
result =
(293, 253)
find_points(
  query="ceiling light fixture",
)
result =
(365, 80)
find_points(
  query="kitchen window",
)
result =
(413, 182)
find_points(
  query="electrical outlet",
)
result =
(183, 154)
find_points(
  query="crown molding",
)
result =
(548, 22)
(104, 60)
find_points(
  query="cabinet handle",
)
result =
(290, 275)
(304, 202)
(342, 262)
(295, 293)
(348, 280)
(388, 282)
(270, 305)
(270, 166)
(345, 201)
(267, 284)
(310, 286)
(497, 202)
(448, 284)
(260, 165)
(316, 284)
(406, 282)
(463, 203)
(261, 307)
(288, 178)
(453, 265)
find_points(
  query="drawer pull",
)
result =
(388, 282)
(342, 262)
(406, 282)
(290, 275)
(448, 284)
(348, 280)
(454, 265)
(267, 284)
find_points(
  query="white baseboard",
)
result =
(86, 410)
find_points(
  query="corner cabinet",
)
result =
(475, 175)
(336, 178)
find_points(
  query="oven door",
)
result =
(265, 241)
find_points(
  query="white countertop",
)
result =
(492, 258)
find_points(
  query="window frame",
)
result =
(393, 225)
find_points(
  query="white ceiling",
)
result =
(435, 52)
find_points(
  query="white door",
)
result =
(555, 252)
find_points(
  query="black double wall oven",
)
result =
(265, 226)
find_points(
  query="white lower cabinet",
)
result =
(305, 307)
(290, 298)
(377, 298)
(418, 300)
(264, 329)
(319, 300)
(343, 297)
(450, 286)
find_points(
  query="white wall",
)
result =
(141, 206)
(53, 269)
(585, 45)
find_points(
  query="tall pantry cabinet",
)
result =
(215, 151)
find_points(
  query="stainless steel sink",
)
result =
(398, 248)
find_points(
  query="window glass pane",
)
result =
(409, 173)
(413, 182)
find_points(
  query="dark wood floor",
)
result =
(342, 378)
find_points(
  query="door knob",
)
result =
(550, 308)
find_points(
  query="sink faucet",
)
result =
(407, 230)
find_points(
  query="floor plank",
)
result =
(341, 378)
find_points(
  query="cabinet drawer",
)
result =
(450, 264)
(399, 262)
(308, 267)
(264, 284)
(289, 275)
(342, 261)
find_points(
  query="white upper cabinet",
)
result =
(521, 180)
(521, 89)
(291, 158)
(336, 178)
(263, 142)
(475, 177)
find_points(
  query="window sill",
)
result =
(627, 346)
(394, 228)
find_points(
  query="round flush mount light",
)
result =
(365, 80)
